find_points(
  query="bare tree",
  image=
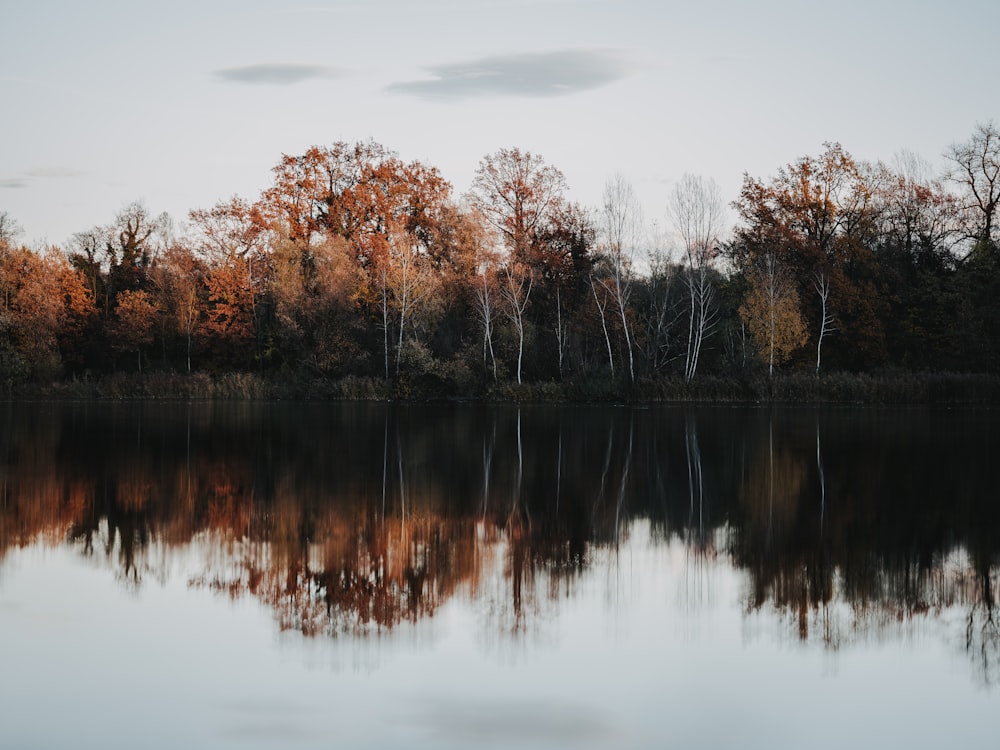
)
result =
(916, 212)
(10, 230)
(697, 210)
(560, 329)
(515, 289)
(975, 166)
(601, 300)
(622, 229)
(407, 283)
(486, 304)
(517, 194)
(821, 283)
(137, 237)
(385, 308)
(661, 310)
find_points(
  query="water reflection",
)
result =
(348, 519)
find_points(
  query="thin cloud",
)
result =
(25, 179)
(275, 74)
(545, 74)
(46, 173)
(442, 6)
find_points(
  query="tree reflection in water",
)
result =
(355, 518)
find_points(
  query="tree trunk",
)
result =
(559, 331)
(628, 338)
(520, 346)
(604, 326)
(385, 327)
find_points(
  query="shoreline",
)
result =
(894, 388)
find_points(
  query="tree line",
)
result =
(354, 263)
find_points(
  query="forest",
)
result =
(358, 274)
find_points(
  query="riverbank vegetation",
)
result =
(359, 275)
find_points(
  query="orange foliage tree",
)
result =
(44, 306)
(232, 240)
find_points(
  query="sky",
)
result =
(183, 104)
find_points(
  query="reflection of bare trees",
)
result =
(850, 575)
(696, 484)
(982, 630)
(818, 604)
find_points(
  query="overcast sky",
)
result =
(181, 104)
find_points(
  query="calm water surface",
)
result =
(365, 575)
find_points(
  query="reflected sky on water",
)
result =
(367, 575)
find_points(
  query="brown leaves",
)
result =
(42, 301)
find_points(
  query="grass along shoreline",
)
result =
(880, 388)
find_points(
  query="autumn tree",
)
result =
(818, 215)
(564, 261)
(79, 313)
(364, 199)
(233, 242)
(32, 312)
(771, 311)
(179, 281)
(318, 321)
(117, 256)
(517, 193)
(132, 327)
(47, 302)
(298, 193)
(353, 191)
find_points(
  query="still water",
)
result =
(369, 575)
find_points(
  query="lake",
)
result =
(366, 575)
